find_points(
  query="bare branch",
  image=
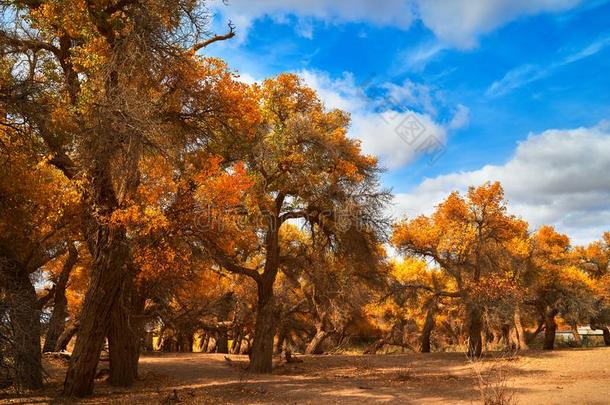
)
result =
(215, 38)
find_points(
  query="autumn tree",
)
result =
(556, 285)
(302, 167)
(37, 206)
(594, 260)
(334, 287)
(470, 239)
(103, 84)
(407, 312)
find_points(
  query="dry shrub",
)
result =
(491, 379)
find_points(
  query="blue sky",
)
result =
(509, 90)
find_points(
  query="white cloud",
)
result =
(455, 22)
(392, 128)
(305, 28)
(396, 13)
(417, 58)
(460, 22)
(460, 118)
(514, 79)
(558, 177)
(342, 93)
(398, 138)
(525, 74)
(413, 94)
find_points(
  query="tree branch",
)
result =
(27, 44)
(293, 215)
(215, 38)
(230, 266)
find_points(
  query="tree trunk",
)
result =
(110, 252)
(428, 328)
(314, 346)
(204, 342)
(475, 327)
(245, 345)
(236, 346)
(519, 330)
(279, 346)
(123, 347)
(226, 304)
(60, 303)
(261, 352)
(107, 243)
(550, 328)
(576, 335)
(25, 323)
(184, 341)
(223, 340)
(264, 331)
(124, 335)
(606, 333)
(66, 336)
(532, 336)
(211, 345)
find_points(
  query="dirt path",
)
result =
(560, 377)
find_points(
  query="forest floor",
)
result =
(533, 377)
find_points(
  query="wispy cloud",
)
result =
(416, 59)
(526, 74)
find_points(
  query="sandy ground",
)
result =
(563, 376)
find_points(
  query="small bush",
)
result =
(491, 380)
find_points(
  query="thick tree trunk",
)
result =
(428, 328)
(264, 331)
(110, 253)
(550, 328)
(124, 335)
(25, 321)
(124, 349)
(60, 303)
(475, 327)
(261, 352)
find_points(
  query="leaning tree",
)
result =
(101, 84)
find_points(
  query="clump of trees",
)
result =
(502, 276)
(144, 188)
